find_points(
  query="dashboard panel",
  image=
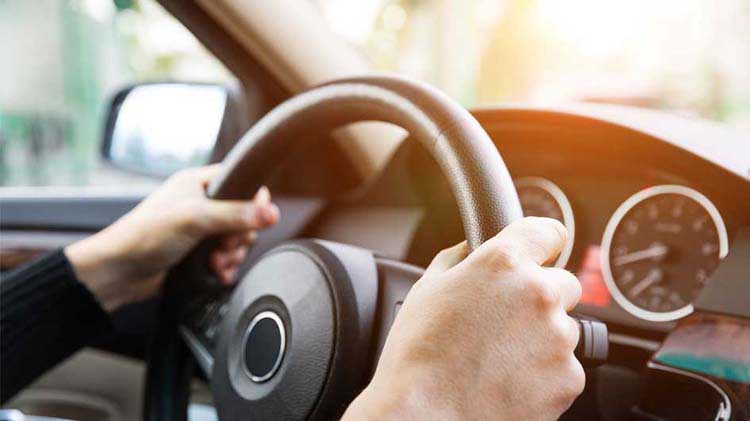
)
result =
(690, 209)
(589, 167)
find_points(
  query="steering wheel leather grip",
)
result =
(478, 177)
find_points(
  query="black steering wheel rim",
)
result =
(478, 177)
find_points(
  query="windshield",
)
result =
(689, 56)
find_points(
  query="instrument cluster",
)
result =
(656, 253)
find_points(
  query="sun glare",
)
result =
(687, 55)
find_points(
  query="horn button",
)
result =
(297, 326)
(265, 343)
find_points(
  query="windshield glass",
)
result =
(690, 56)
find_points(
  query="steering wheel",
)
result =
(300, 334)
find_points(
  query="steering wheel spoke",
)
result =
(201, 352)
(200, 330)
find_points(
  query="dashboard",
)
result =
(650, 214)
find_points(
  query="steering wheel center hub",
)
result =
(297, 323)
(264, 345)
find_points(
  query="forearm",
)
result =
(45, 316)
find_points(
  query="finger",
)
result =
(566, 284)
(249, 237)
(562, 335)
(217, 267)
(226, 276)
(448, 258)
(262, 196)
(223, 263)
(538, 239)
(262, 201)
(207, 173)
(233, 215)
(231, 241)
(573, 331)
(236, 256)
(202, 174)
(234, 261)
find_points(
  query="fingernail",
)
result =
(263, 195)
(270, 213)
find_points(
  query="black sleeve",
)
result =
(46, 315)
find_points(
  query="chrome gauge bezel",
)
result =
(567, 212)
(614, 222)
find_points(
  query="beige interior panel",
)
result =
(90, 385)
(94, 385)
(290, 38)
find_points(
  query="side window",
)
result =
(66, 60)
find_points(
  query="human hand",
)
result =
(127, 261)
(483, 337)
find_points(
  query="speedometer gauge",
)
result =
(659, 249)
(541, 197)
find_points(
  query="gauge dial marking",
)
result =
(654, 276)
(655, 251)
(658, 250)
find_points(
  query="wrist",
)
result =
(374, 404)
(406, 396)
(98, 263)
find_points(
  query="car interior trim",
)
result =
(304, 58)
(202, 356)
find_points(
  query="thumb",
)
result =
(448, 258)
(238, 215)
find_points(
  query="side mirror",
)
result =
(159, 128)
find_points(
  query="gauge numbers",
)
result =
(541, 197)
(659, 249)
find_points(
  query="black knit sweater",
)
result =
(46, 315)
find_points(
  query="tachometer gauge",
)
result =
(541, 197)
(659, 248)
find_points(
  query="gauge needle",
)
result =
(653, 251)
(653, 277)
